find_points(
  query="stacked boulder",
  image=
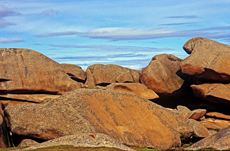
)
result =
(209, 64)
(128, 118)
(103, 75)
(61, 102)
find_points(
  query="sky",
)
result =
(123, 32)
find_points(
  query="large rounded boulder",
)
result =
(208, 60)
(130, 119)
(163, 75)
(29, 76)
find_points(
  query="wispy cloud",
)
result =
(177, 24)
(125, 60)
(5, 12)
(115, 48)
(4, 23)
(127, 33)
(183, 17)
(122, 34)
(217, 28)
(49, 12)
(102, 57)
(54, 34)
(115, 34)
(127, 56)
(10, 41)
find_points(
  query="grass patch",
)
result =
(145, 149)
(207, 149)
(11, 148)
(214, 129)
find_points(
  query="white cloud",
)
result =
(117, 34)
(4, 23)
(10, 41)
(53, 34)
(114, 49)
(49, 12)
(127, 33)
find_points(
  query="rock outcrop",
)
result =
(4, 134)
(82, 140)
(75, 72)
(197, 114)
(199, 129)
(162, 74)
(109, 105)
(25, 72)
(134, 88)
(186, 113)
(218, 141)
(99, 74)
(215, 124)
(214, 92)
(128, 118)
(216, 121)
(208, 60)
(218, 115)
(27, 142)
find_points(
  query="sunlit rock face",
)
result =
(208, 60)
(132, 120)
(162, 75)
(102, 75)
(29, 76)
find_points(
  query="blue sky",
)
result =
(123, 32)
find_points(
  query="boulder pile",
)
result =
(167, 104)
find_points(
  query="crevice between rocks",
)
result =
(26, 91)
(4, 80)
(73, 77)
(17, 100)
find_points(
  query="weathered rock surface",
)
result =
(127, 118)
(161, 75)
(199, 129)
(27, 142)
(220, 141)
(213, 92)
(75, 72)
(134, 88)
(218, 115)
(26, 98)
(186, 113)
(215, 124)
(197, 114)
(183, 111)
(4, 135)
(24, 71)
(208, 60)
(99, 74)
(82, 140)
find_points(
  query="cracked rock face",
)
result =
(208, 60)
(99, 74)
(214, 92)
(29, 76)
(125, 117)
